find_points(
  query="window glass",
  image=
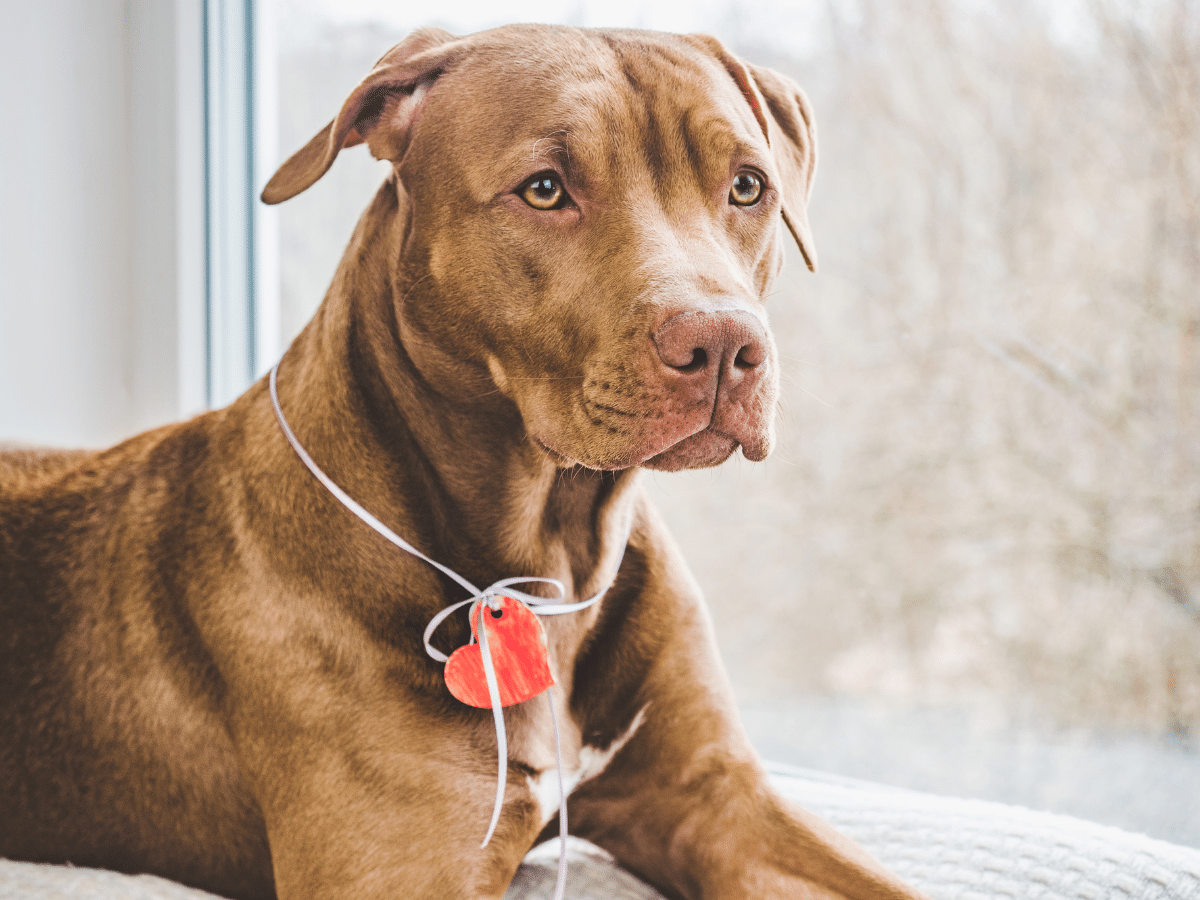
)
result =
(972, 565)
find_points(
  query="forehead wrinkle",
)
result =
(641, 64)
(688, 134)
(693, 149)
(667, 121)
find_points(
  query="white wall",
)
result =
(101, 218)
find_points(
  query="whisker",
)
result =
(804, 362)
(823, 402)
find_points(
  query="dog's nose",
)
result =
(705, 343)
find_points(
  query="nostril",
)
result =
(703, 344)
(698, 361)
(747, 357)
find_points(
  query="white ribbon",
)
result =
(487, 599)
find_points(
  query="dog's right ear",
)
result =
(380, 111)
(785, 116)
(792, 133)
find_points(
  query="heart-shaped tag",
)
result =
(519, 656)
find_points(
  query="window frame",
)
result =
(241, 333)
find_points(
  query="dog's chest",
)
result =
(591, 761)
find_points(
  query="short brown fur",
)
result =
(213, 672)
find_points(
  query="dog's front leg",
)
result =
(685, 803)
(713, 828)
(378, 801)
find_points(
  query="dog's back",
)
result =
(37, 505)
(24, 467)
(103, 700)
(43, 540)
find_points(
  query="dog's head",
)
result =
(596, 221)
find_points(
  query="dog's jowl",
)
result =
(216, 669)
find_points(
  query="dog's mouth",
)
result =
(703, 449)
(662, 418)
(698, 451)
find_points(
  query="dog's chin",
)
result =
(698, 451)
(701, 450)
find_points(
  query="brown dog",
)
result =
(214, 672)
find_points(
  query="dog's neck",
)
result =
(503, 508)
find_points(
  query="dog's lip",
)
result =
(663, 457)
(708, 447)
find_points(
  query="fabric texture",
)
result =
(950, 848)
(957, 849)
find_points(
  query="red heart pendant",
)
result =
(519, 656)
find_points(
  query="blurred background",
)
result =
(972, 566)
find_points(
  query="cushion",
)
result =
(950, 848)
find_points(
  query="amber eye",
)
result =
(544, 191)
(746, 190)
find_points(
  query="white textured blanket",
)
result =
(952, 849)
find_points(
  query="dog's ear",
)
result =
(792, 134)
(379, 112)
(786, 118)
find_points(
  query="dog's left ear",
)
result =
(786, 118)
(379, 112)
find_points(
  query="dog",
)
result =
(213, 670)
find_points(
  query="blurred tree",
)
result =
(999, 490)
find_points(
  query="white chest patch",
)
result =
(592, 762)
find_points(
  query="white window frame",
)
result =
(242, 324)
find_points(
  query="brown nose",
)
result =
(706, 343)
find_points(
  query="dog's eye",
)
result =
(747, 189)
(544, 191)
